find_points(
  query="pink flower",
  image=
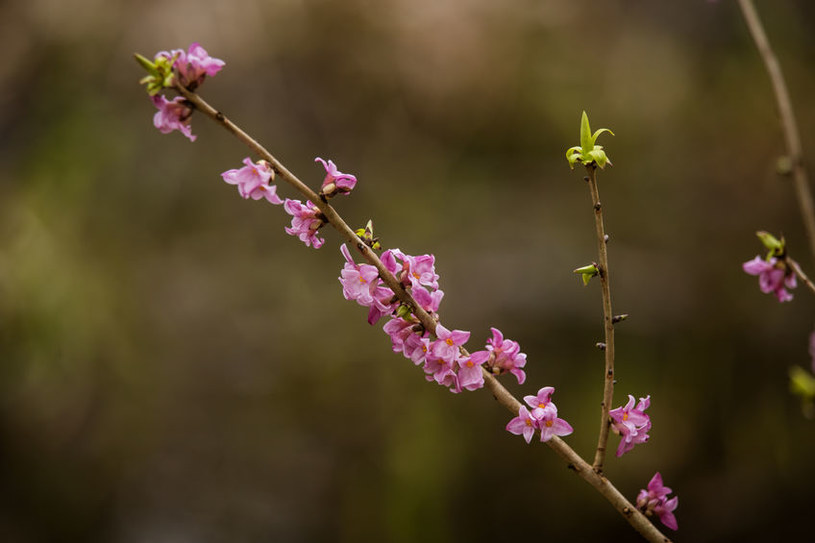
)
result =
(448, 343)
(358, 280)
(524, 424)
(550, 425)
(194, 65)
(631, 423)
(253, 181)
(398, 330)
(335, 181)
(506, 356)
(540, 418)
(307, 220)
(172, 115)
(470, 375)
(653, 501)
(542, 402)
(773, 276)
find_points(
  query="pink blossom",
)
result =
(398, 330)
(448, 343)
(470, 375)
(307, 220)
(631, 423)
(194, 65)
(253, 181)
(543, 417)
(541, 403)
(773, 276)
(506, 356)
(335, 181)
(358, 280)
(524, 424)
(653, 501)
(172, 115)
(429, 301)
(550, 425)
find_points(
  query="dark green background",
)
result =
(174, 368)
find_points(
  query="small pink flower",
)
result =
(448, 343)
(306, 221)
(470, 375)
(541, 404)
(653, 501)
(506, 356)
(773, 276)
(358, 280)
(543, 417)
(253, 181)
(335, 181)
(193, 65)
(550, 425)
(631, 423)
(172, 115)
(524, 424)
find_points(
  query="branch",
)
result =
(799, 273)
(608, 320)
(635, 518)
(792, 138)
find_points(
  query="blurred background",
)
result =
(175, 368)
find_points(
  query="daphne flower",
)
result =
(506, 356)
(470, 375)
(172, 115)
(653, 501)
(307, 220)
(773, 276)
(193, 65)
(524, 424)
(358, 280)
(253, 181)
(448, 343)
(335, 181)
(631, 423)
(541, 403)
(550, 425)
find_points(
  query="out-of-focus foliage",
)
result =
(173, 367)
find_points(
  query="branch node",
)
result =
(600, 345)
(598, 206)
(619, 318)
(220, 117)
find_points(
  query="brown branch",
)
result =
(796, 268)
(792, 138)
(608, 321)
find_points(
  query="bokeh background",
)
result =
(174, 368)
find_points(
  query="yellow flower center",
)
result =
(549, 423)
(449, 341)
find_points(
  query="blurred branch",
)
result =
(788, 124)
(799, 273)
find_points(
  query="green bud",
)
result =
(587, 152)
(774, 245)
(587, 272)
(403, 312)
(160, 73)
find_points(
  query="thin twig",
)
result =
(635, 518)
(608, 321)
(787, 118)
(799, 273)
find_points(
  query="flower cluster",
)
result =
(773, 276)
(654, 501)
(307, 219)
(543, 417)
(253, 181)
(440, 352)
(631, 423)
(188, 69)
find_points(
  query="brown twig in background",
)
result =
(787, 118)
